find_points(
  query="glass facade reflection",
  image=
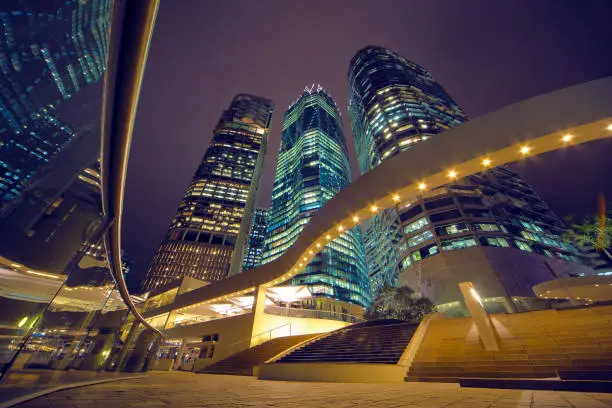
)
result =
(257, 239)
(209, 231)
(312, 167)
(395, 104)
(62, 51)
(61, 308)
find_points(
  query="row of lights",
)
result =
(452, 175)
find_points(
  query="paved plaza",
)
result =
(201, 390)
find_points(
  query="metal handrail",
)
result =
(231, 345)
(120, 100)
(312, 313)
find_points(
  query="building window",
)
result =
(477, 213)
(453, 244)
(445, 215)
(419, 238)
(530, 236)
(523, 246)
(416, 225)
(495, 241)
(406, 262)
(452, 229)
(425, 252)
(443, 202)
(411, 213)
(488, 227)
(470, 200)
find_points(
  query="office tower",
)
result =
(50, 53)
(208, 234)
(312, 167)
(395, 104)
(257, 239)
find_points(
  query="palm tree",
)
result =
(593, 232)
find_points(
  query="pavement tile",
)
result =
(208, 391)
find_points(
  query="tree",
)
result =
(592, 231)
(399, 303)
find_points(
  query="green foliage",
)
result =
(399, 303)
(589, 232)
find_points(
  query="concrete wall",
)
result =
(163, 365)
(495, 272)
(231, 330)
(298, 326)
(333, 372)
(235, 333)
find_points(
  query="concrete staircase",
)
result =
(377, 342)
(243, 363)
(532, 345)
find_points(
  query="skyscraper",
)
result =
(257, 239)
(312, 167)
(395, 104)
(207, 235)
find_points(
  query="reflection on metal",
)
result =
(130, 39)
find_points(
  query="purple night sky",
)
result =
(485, 54)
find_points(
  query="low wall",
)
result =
(163, 365)
(333, 372)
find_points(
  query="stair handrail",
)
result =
(300, 345)
(231, 345)
(325, 313)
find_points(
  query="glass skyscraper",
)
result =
(312, 167)
(257, 239)
(209, 231)
(395, 104)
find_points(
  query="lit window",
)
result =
(523, 246)
(452, 229)
(419, 238)
(486, 227)
(497, 242)
(458, 244)
(416, 225)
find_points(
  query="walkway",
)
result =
(19, 383)
(202, 390)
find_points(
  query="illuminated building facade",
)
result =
(396, 104)
(312, 167)
(210, 228)
(257, 239)
(48, 54)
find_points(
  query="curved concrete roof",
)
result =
(527, 128)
